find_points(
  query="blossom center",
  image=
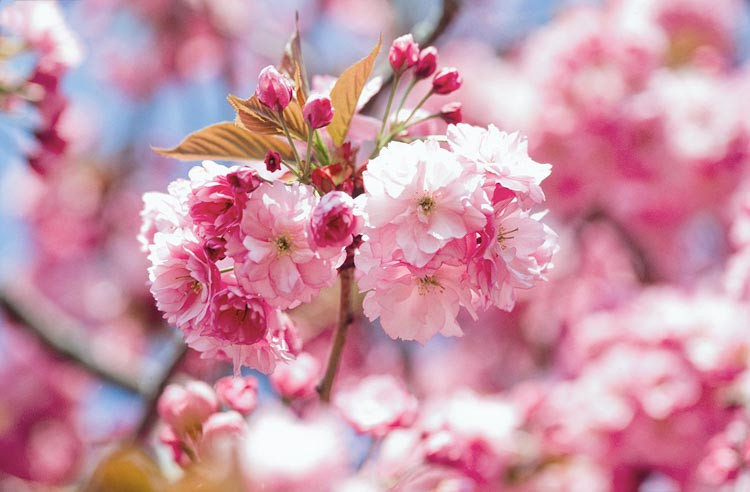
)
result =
(426, 203)
(502, 235)
(283, 244)
(428, 284)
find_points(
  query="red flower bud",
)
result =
(274, 89)
(318, 111)
(451, 113)
(404, 53)
(333, 220)
(427, 63)
(273, 161)
(446, 81)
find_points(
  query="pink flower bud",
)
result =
(446, 81)
(296, 378)
(240, 394)
(404, 53)
(273, 161)
(427, 63)
(318, 111)
(185, 408)
(220, 434)
(274, 89)
(451, 113)
(333, 220)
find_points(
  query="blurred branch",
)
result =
(425, 33)
(150, 412)
(58, 332)
(63, 336)
(641, 264)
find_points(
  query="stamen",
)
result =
(427, 284)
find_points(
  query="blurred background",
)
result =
(628, 363)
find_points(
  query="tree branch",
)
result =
(58, 332)
(346, 316)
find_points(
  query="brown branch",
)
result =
(346, 316)
(425, 34)
(59, 333)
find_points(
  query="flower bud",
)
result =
(273, 161)
(274, 89)
(403, 54)
(297, 378)
(185, 408)
(240, 394)
(427, 63)
(220, 434)
(451, 113)
(318, 111)
(446, 81)
(333, 220)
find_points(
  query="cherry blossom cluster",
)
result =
(439, 223)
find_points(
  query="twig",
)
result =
(59, 333)
(346, 316)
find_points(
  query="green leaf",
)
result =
(227, 141)
(346, 92)
(253, 115)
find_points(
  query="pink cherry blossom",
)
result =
(413, 304)
(377, 404)
(502, 157)
(515, 251)
(218, 195)
(334, 220)
(277, 258)
(162, 212)
(280, 343)
(183, 278)
(423, 197)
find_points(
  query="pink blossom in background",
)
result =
(376, 405)
(297, 378)
(239, 394)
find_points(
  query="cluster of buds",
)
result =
(195, 427)
(406, 58)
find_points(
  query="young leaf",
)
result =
(227, 141)
(346, 92)
(293, 65)
(256, 117)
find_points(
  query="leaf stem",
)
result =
(289, 138)
(308, 164)
(394, 85)
(406, 94)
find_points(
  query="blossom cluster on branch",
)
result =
(431, 223)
